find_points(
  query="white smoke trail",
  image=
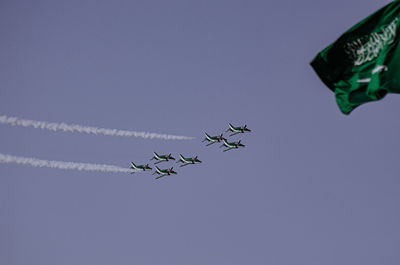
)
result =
(53, 126)
(62, 165)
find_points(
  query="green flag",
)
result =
(363, 65)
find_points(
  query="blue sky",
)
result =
(312, 186)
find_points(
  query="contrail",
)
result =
(53, 126)
(62, 165)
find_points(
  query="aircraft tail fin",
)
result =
(156, 156)
(133, 165)
(181, 157)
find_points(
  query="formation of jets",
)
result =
(165, 158)
(192, 160)
(220, 138)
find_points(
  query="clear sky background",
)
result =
(312, 186)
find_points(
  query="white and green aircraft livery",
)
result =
(161, 158)
(164, 172)
(184, 161)
(188, 161)
(140, 167)
(236, 130)
(233, 145)
(213, 139)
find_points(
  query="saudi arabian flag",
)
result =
(363, 65)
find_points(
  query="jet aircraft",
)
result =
(140, 167)
(236, 130)
(188, 161)
(161, 158)
(213, 139)
(233, 145)
(164, 172)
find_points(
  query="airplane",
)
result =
(161, 158)
(188, 161)
(164, 172)
(233, 145)
(236, 130)
(140, 167)
(213, 139)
